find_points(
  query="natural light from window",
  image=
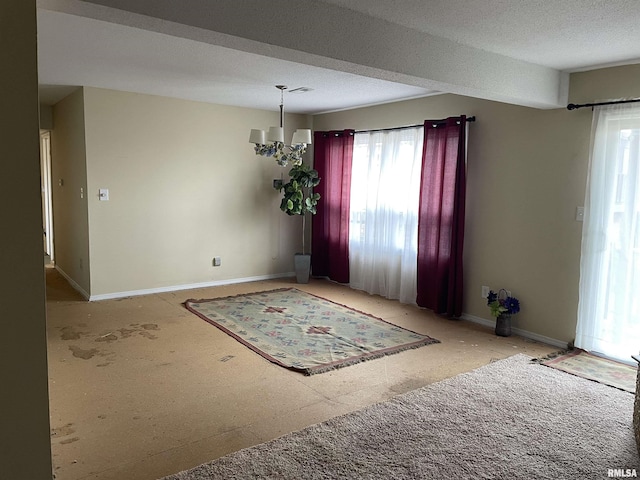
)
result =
(383, 229)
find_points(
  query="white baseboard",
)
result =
(73, 283)
(175, 288)
(216, 283)
(517, 331)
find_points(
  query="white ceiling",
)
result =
(566, 35)
(92, 44)
(78, 51)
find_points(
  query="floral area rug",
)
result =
(583, 364)
(303, 332)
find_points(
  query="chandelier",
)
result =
(272, 144)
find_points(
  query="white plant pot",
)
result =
(302, 263)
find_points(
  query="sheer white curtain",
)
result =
(383, 229)
(609, 305)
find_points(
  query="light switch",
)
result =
(579, 214)
(103, 194)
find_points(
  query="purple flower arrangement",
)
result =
(499, 306)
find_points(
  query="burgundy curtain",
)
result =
(332, 154)
(441, 216)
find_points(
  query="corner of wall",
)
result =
(25, 432)
(46, 117)
(69, 189)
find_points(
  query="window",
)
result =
(383, 229)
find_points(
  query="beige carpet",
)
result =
(511, 419)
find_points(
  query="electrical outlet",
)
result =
(508, 292)
(485, 291)
(217, 261)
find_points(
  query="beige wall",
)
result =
(46, 117)
(25, 451)
(69, 190)
(526, 176)
(527, 173)
(184, 186)
(613, 83)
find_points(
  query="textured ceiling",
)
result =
(349, 52)
(82, 51)
(562, 34)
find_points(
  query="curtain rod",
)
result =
(438, 122)
(573, 106)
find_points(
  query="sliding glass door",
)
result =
(609, 307)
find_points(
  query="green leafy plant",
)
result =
(298, 197)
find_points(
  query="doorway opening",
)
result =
(47, 205)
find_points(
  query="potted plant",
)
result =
(502, 307)
(298, 199)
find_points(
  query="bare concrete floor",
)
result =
(141, 388)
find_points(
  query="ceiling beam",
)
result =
(328, 36)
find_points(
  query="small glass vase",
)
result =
(503, 325)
